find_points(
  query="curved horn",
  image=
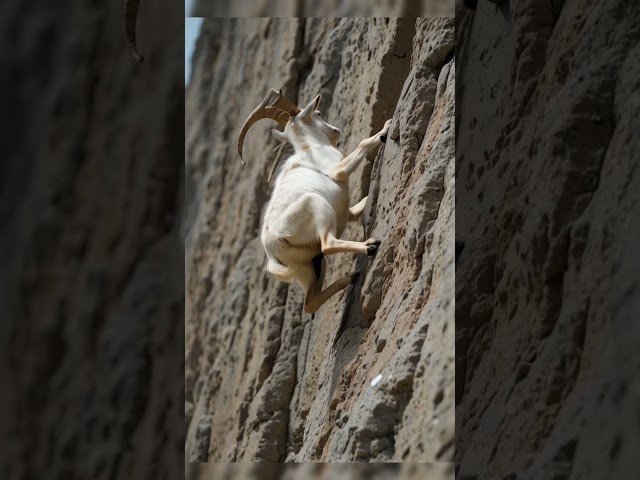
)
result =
(130, 17)
(274, 106)
(285, 104)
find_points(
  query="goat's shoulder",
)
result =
(319, 159)
(325, 153)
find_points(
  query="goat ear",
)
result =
(309, 109)
(281, 136)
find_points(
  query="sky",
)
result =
(191, 31)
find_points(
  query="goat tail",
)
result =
(282, 272)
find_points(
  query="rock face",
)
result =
(546, 231)
(264, 381)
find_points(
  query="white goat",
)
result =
(309, 208)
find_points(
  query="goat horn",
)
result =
(287, 105)
(130, 17)
(274, 106)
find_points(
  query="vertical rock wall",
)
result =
(264, 381)
(547, 225)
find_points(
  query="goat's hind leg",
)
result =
(314, 296)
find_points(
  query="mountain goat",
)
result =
(130, 16)
(309, 209)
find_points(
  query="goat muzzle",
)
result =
(274, 106)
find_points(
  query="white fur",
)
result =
(290, 215)
(309, 206)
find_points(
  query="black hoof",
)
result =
(355, 276)
(383, 138)
(373, 248)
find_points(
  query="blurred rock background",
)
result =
(265, 382)
(91, 284)
(547, 222)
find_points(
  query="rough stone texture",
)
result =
(546, 234)
(276, 384)
(91, 287)
(326, 8)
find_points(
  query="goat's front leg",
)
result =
(348, 164)
(331, 245)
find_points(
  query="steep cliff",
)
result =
(264, 381)
(547, 222)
